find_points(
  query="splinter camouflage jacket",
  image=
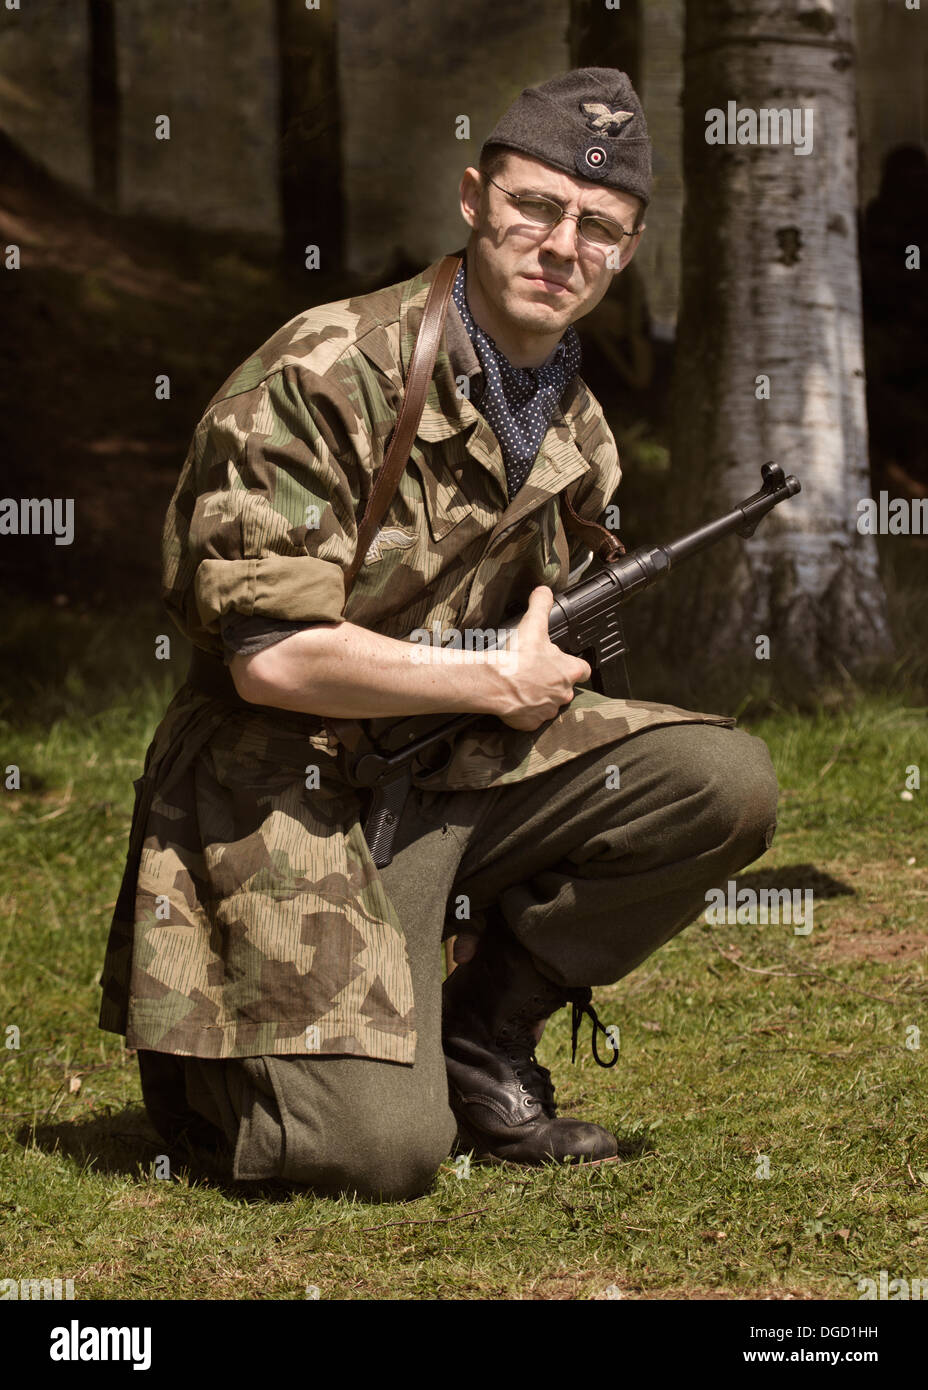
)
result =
(251, 919)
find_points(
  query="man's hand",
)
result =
(540, 678)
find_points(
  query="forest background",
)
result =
(771, 1098)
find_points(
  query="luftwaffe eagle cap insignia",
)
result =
(587, 122)
(603, 120)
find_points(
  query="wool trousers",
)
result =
(592, 865)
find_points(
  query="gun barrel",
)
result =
(584, 617)
(742, 520)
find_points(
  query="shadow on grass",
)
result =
(634, 1146)
(124, 1143)
(796, 878)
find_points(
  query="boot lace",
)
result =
(580, 1002)
(535, 1080)
(519, 1042)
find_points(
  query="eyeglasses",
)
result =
(545, 212)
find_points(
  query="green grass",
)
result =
(737, 1042)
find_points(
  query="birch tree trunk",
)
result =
(771, 289)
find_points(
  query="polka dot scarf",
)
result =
(518, 402)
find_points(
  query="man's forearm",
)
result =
(343, 671)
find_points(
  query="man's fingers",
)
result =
(540, 603)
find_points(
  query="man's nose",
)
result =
(562, 239)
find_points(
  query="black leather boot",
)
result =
(501, 1095)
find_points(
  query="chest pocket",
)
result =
(540, 545)
(555, 546)
(444, 502)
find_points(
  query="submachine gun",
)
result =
(585, 622)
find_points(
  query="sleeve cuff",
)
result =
(299, 588)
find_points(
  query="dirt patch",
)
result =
(138, 1197)
(842, 942)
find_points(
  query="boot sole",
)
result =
(466, 1143)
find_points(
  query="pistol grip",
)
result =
(383, 817)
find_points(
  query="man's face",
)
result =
(536, 280)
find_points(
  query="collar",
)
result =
(461, 353)
(386, 331)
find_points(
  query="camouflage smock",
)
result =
(251, 918)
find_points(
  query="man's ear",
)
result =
(471, 193)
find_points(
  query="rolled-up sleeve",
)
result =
(248, 636)
(262, 523)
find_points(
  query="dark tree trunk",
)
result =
(601, 38)
(104, 101)
(312, 204)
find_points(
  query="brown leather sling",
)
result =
(421, 365)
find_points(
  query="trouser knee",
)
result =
(743, 795)
(371, 1164)
(721, 791)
